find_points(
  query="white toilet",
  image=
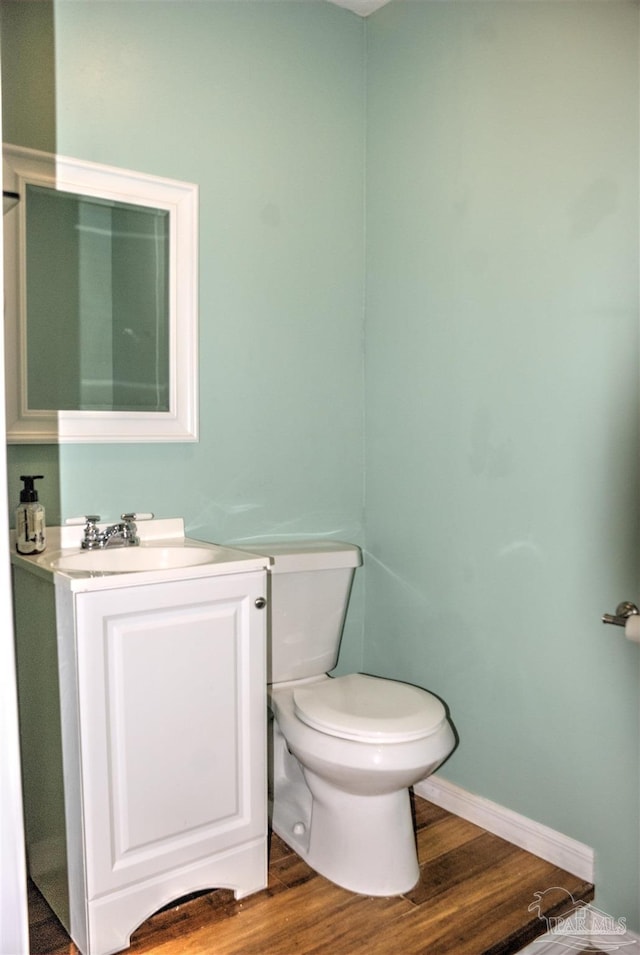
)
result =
(345, 750)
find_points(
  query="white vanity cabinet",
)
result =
(149, 738)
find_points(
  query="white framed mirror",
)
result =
(101, 330)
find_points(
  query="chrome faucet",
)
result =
(122, 534)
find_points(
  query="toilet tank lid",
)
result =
(293, 556)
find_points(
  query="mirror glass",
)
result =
(97, 294)
(100, 268)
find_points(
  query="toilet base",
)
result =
(363, 843)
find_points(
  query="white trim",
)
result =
(561, 850)
(14, 919)
(25, 425)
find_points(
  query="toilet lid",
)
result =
(360, 707)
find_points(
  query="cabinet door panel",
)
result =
(172, 700)
(172, 723)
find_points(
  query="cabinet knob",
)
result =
(261, 603)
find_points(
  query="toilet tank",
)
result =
(310, 583)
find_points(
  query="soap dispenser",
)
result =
(30, 525)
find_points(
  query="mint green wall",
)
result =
(502, 340)
(502, 496)
(262, 105)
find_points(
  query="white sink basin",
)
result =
(164, 554)
(126, 560)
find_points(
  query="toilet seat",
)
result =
(368, 709)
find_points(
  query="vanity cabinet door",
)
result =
(172, 689)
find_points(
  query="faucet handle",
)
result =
(91, 532)
(136, 517)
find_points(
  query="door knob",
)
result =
(623, 611)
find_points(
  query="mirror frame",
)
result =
(26, 425)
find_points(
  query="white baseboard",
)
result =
(566, 853)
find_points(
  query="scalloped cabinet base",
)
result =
(143, 738)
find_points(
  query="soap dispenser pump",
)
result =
(30, 523)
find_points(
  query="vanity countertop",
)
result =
(62, 561)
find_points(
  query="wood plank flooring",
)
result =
(472, 899)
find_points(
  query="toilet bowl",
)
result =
(340, 794)
(344, 750)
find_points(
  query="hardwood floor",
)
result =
(472, 899)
